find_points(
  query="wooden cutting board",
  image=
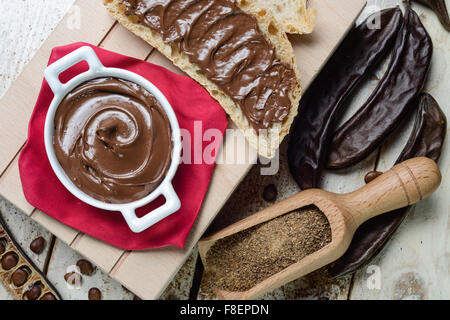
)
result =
(145, 273)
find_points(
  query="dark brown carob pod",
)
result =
(359, 53)
(427, 139)
(391, 101)
(440, 9)
(429, 131)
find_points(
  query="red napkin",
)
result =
(191, 103)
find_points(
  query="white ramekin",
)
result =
(97, 70)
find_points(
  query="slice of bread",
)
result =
(294, 15)
(265, 144)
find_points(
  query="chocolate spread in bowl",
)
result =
(113, 139)
(228, 46)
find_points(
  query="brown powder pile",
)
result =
(239, 262)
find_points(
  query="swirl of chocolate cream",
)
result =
(113, 140)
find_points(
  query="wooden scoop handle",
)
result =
(403, 185)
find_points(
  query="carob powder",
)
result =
(239, 262)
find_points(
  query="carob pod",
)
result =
(440, 8)
(19, 274)
(429, 131)
(427, 139)
(360, 52)
(392, 99)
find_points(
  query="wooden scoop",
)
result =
(405, 184)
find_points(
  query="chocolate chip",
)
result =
(86, 267)
(34, 292)
(48, 296)
(372, 175)
(20, 277)
(37, 246)
(9, 260)
(95, 294)
(72, 278)
(270, 193)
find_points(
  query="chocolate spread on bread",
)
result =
(228, 46)
(113, 139)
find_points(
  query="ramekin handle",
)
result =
(55, 69)
(172, 205)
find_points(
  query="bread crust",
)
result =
(294, 15)
(265, 143)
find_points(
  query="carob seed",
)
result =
(37, 246)
(9, 261)
(19, 277)
(86, 267)
(34, 292)
(440, 8)
(72, 278)
(270, 193)
(391, 101)
(95, 294)
(372, 175)
(48, 296)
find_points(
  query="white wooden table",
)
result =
(415, 264)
